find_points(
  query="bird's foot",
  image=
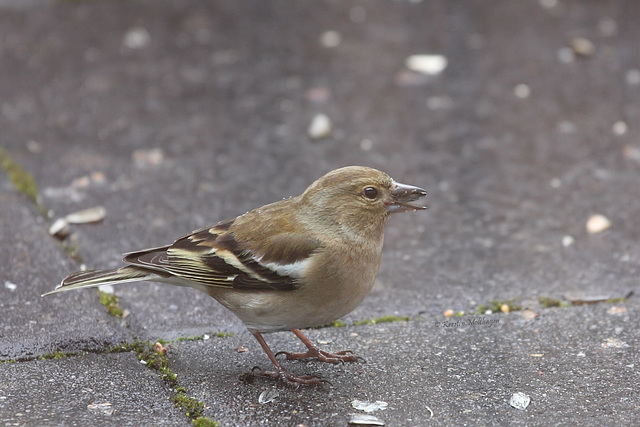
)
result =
(288, 378)
(323, 356)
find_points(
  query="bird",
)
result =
(297, 263)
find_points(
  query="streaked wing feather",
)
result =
(213, 257)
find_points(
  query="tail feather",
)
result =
(88, 279)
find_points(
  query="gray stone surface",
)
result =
(574, 364)
(224, 92)
(32, 264)
(60, 392)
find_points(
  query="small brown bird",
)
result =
(300, 262)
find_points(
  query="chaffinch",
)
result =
(300, 262)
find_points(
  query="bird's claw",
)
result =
(288, 378)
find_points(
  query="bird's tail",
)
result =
(88, 279)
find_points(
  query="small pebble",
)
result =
(582, 46)
(366, 144)
(522, 91)
(555, 183)
(520, 401)
(105, 408)
(448, 313)
(614, 343)
(363, 405)
(94, 214)
(633, 76)
(426, 64)
(150, 157)
(616, 310)
(365, 420)
(330, 39)
(10, 286)
(567, 241)
(597, 224)
(34, 146)
(59, 228)
(529, 314)
(504, 308)
(565, 55)
(619, 128)
(320, 127)
(268, 396)
(242, 349)
(137, 38)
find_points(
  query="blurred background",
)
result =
(519, 118)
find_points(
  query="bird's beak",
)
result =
(401, 197)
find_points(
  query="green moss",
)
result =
(191, 407)
(496, 307)
(196, 338)
(22, 180)
(204, 422)
(224, 334)
(383, 319)
(110, 301)
(334, 324)
(8, 361)
(548, 302)
(158, 361)
(54, 355)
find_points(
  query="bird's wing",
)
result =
(213, 257)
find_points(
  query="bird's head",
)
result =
(358, 196)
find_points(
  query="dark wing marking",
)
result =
(213, 257)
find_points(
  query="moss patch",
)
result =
(22, 180)
(54, 355)
(158, 361)
(548, 302)
(497, 306)
(204, 422)
(191, 406)
(383, 319)
(334, 324)
(196, 338)
(110, 301)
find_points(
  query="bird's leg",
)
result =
(281, 373)
(321, 355)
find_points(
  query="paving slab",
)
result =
(61, 392)
(573, 363)
(31, 263)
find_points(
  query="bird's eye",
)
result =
(370, 193)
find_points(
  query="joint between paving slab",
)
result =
(22, 181)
